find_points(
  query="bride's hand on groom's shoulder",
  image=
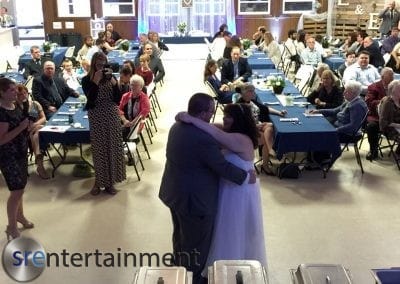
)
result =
(183, 116)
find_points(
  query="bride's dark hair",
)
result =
(243, 121)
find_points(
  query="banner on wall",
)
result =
(187, 3)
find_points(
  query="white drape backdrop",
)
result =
(329, 17)
(168, 16)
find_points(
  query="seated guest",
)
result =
(315, 80)
(38, 119)
(87, 44)
(124, 79)
(236, 70)
(99, 43)
(34, 67)
(143, 40)
(375, 56)
(261, 114)
(389, 42)
(310, 55)
(114, 35)
(301, 41)
(350, 59)
(51, 91)
(328, 95)
(232, 41)
(349, 115)
(156, 65)
(389, 113)
(362, 72)
(394, 61)
(376, 92)
(222, 90)
(130, 64)
(350, 43)
(106, 47)
(144, 70)
(359, 46)
(109, 39)
(258, 36)
(134, 105)
(271, 48)
(69, 75)
(155, 39)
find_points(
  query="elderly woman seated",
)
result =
(389, 113)
(134, 105)
(224, 95)
(261, 116)
(348, 117)
(328, 94)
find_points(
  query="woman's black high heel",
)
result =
(26, 224)
(267, 170)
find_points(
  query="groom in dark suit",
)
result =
(190, 183)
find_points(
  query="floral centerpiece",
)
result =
(48, 46)
(277, 83)
(246, 43)
(182, 27)
(124, 45)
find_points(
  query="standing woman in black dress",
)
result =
(103, 97)
(14, 126)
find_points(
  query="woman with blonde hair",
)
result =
(271, 48)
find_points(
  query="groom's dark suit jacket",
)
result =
(192, 172)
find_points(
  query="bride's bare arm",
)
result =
(236, 142)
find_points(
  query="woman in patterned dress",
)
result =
(13, 155)
(103, 97)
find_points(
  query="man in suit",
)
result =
(375, 56)
(190, 183)
(34, 67)
(236, 70)
(390, 18)
(51, 91)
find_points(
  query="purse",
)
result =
(288, 170)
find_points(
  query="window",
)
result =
(118, 8)
(250, 7)
(207, 7)
(158, 8)
(297, 6)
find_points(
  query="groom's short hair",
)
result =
(199, 103)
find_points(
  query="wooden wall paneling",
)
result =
(126, 26)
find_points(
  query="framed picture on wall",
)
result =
(73, 8)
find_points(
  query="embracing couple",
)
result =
(213, 194)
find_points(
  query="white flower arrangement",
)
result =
(275, 81)
(182, 27)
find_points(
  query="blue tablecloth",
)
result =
(72, 135)
(57, 56)
(334, 62)
(260, 62)
(184, 40)
(310, 134)
(15, 76)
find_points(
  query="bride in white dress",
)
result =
(238, 232)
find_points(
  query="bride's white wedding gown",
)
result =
(238, 231)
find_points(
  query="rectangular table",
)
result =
(80, 135)
(57, 56)
(258, 60)
(307, 134)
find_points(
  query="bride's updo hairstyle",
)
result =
(243, 121)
